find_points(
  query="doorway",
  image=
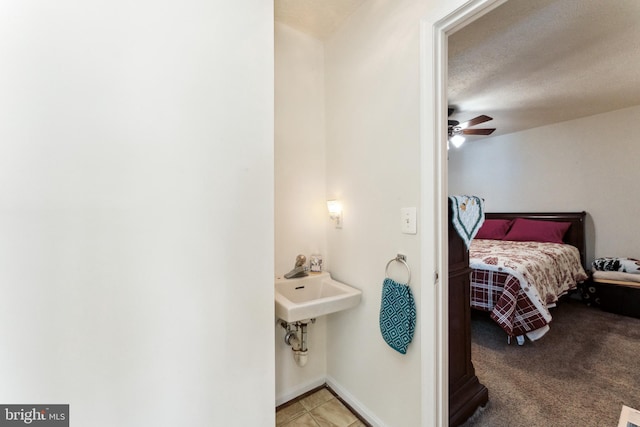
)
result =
(434, 59)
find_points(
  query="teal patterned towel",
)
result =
(397, 315)
(468, 216)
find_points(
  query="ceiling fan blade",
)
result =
(475, 121)
(478, 131)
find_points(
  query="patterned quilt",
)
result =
(518, 281)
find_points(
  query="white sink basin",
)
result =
(312, 296)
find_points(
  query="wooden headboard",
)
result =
(574, 235)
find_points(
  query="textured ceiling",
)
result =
(527, 63)
(531, 63)
(318, 18)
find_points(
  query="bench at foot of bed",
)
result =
(619, 293)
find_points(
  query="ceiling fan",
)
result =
(457, 130)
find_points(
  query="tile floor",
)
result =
(320, 409)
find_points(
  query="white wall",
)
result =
(300, 188)
(587, 164)
(373, 166)
(300, 153)
(136, 210)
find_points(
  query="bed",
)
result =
(517, 282)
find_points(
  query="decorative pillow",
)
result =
(494, 229)
(531, 230)
(625, 265)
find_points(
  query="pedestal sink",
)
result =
(312, 296)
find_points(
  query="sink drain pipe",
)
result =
(296, 337)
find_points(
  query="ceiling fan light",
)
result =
(457, 140)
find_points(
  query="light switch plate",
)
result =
(408, 217)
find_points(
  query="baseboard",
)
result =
(302, 389)
(357, 406)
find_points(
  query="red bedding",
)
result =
(518, 281)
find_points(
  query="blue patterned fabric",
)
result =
(468, 216)
(397, 315)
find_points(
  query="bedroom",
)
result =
(597, 149)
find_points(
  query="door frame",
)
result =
(434, 31)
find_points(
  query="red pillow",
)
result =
(494, 229)
(531, 230)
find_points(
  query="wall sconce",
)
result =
(335, 212)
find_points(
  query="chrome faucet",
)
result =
(298, 270)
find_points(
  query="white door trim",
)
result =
(434, 32)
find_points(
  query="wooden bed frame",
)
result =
(575, 235)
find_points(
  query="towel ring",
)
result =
(400, 259)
